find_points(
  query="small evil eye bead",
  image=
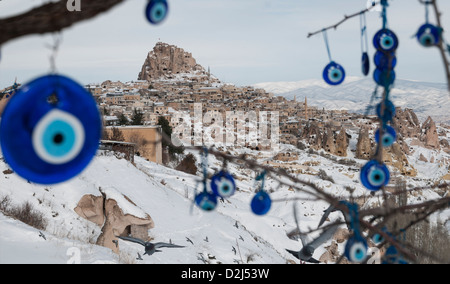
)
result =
(386, 113)
(429, 35)
(156, 11)
(356, 249)
(261, 203)
(388, 138)
(392, 256)
(374, 175)
(377, 239)
(223, 184)
(206, 201)
(365, 64)
(334, 74)
(385, 61)
(385, 40)
(384, 78)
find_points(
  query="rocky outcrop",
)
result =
(392, 156)
(364, 146)
(408, 126)
(108, 213)
(406, 123)
(333, 142)
(166, 60)
(342, 141)
(429, 134)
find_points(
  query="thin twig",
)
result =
(341, 22)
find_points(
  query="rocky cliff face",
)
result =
(165, 61)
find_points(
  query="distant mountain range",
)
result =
(426, 99)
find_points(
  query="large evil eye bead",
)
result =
(50, 130)
(385, 61)
(334, 74)
(429, 35)
(365, 64)
(388, 138)
(223, 185)
(356, 249)
(261, 203)
(386, 111)
(206, 201)
(385, 40)
(156, 11)
(374, 175)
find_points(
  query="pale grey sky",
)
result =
(243, 41)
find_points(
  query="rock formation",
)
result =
(333, 142)
(392, 156)
(364, 146)
(167, 60)
(429, 134)
(107, 213)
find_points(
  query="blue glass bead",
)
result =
(50, 130)
(156, 11)
(385, 40)
(388, 113)
(384, 78)
(356, 249)
(223, 184)
(333, 74)
(429, 35)
(261, 203)
(365, 64)
(385, 61)
(374, 175)
(206, 201)
(389, 136)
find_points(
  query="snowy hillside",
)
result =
(166, 195)
(426, 99)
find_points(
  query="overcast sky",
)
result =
(243, 41)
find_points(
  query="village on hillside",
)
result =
(172, 85)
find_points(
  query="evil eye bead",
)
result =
(334, 74)
(384, 77)
(429, 35)
(392, 256)
(374, 175)
(385, 40)
(50, 130)
(377, 239)
(156, 11)
(385, 61)
(365, 64)
(388, 138)
(261, 203)
(206, 201)
(387, 112)
(223, 185)
(356, 249)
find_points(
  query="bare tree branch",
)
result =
(51, 17)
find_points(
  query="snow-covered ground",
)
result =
(166, 194)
